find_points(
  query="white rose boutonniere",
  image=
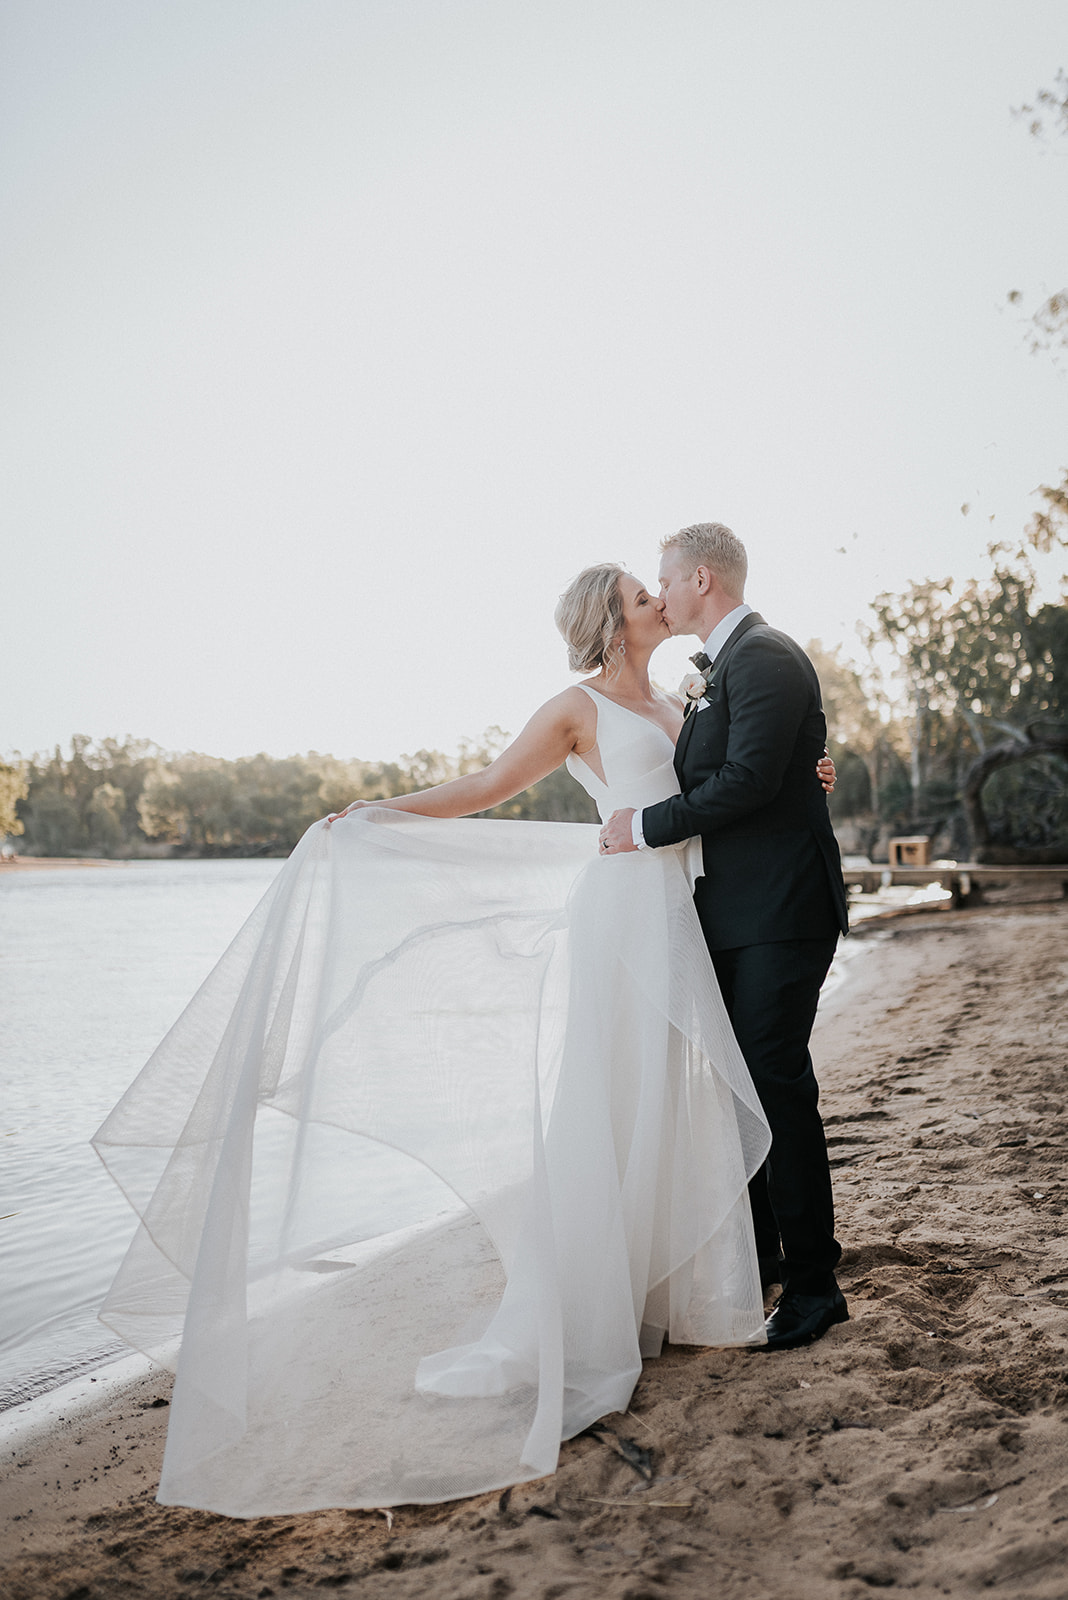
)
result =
(694, 688)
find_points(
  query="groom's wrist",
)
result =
(636, 835)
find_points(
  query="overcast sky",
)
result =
(339, 334)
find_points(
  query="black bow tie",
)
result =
(701, 661)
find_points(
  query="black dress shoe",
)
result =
(800, 1318)
(770, 1270)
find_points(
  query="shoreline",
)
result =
(882, 906)
(55, 863)
(922, 1445)
(84, 1398)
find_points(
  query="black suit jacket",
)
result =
(746, 765)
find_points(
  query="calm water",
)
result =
(95, 965)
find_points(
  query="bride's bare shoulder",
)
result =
(571, 709)
(573, 704)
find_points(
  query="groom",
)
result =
(771, 903)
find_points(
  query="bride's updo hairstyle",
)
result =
(590, 617)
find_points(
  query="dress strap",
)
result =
(600, 699)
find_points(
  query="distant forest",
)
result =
(130, 799)
(958, 729)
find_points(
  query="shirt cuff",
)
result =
(636, 834)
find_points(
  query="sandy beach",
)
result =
(922, 1446)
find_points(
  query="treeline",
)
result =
(130, 799)
(957, 728)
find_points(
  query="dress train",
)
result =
(454, 1134)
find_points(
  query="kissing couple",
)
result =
(473, 1115)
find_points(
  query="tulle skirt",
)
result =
(455, 1133)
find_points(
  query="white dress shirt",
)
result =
(713, 645)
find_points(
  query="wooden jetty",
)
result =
(965, 880)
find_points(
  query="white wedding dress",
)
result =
(454, 1134)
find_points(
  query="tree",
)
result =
(917, 625)
(1048, 115)
(14, 787)
(274, 802)
(51, 812)
(980, 661)
(861, 735)
(53, 825)
(105, 811)
(160, 808)
(339, 782)
(191, 803)
(1016, 796)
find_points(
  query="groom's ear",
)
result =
(704, 579)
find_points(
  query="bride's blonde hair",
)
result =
(590, 617)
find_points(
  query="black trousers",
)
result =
(771, 992)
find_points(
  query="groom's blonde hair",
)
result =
(590, 617)
(712, 545)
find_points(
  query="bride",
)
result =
(453, 1136)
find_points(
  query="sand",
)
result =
(922, 1446)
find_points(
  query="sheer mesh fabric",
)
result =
(454, 1134)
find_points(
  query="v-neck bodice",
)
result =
(636, 757)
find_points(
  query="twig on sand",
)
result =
(631, 1505)
(634, 1417)
(632, 1453)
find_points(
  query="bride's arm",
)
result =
(565, 723)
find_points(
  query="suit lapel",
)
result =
(685, 734)
(753, 620)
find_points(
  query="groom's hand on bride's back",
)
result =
(617, 835)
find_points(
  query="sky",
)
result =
(338, 335)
